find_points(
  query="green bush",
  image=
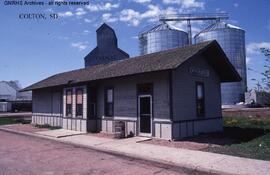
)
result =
(48, 126)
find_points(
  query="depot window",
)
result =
(69, 103)
(79, 102)
(200, 97)
(109, 102)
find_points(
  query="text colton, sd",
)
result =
(37, 16)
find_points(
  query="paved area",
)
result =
(26, 155)
(17, 114)
(204, 161)
(24, 128)
(191, 159)
(58, 133)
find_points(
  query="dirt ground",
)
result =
(200, 142)
(24, 127)
(246, 112)
(32, 129)
(25, 155)
(104, 135)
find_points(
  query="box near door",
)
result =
(120, 129)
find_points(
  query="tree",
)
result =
(266, 73)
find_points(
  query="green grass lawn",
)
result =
(247, 122)
(251, 135)
(8, 121)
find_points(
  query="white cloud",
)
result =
(179, 24)
(235, 4)
(131, 16)
(253, 48)
(109, 6)
(62, 37)
(80, 12)
(218, 10)
(153, 11)
(152, 14)
(87, 20)
(80, 45)
(142, 1)
(66, 14)
(92, 7)
(233, 21)
(86, 32)
(185, 3)
(182, 25)
(107, 17)
(248, 59)
(81, 33)
(169, 11)
(101, 7)
(49, 10)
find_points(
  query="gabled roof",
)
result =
(164, 60)
(105, 26)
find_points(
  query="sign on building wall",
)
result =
(199, 72)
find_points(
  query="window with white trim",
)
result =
(109, 102)
(69, 102)
(79, 102)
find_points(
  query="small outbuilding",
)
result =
(169, 94)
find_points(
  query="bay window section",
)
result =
(109, 102)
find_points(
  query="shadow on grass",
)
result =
(243, 134)
(230, 135)
(249, 143)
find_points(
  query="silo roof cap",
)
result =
(219, 25)
(162, 26)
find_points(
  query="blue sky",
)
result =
(31, 50)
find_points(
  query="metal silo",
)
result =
(232, 40)
(161, 37)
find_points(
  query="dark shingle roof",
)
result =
(164, 60)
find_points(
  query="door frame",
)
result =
(151, 116)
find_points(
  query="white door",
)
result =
(145, 115)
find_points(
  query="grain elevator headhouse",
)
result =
(107, 48)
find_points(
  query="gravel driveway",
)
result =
(29, 155)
